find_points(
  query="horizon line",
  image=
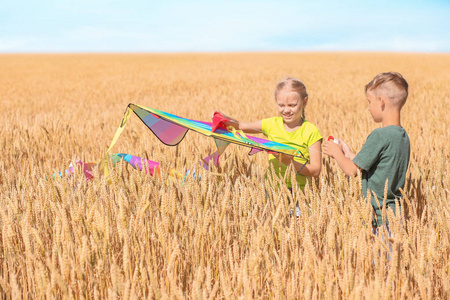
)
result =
(223, 52)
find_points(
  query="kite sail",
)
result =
(171, 130)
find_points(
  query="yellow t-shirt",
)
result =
(302, 138)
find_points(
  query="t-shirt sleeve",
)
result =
(370, 152)
(266, 125)
(314, 136)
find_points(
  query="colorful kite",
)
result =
(171, 129)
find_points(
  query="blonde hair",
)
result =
(391, 85)
(293, 84)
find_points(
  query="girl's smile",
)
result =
(290, 107)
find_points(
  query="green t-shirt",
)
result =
(384, 156)
(302, 138)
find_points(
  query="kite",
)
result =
(171, 130)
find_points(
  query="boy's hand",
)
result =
(331, 149)
(347, 151)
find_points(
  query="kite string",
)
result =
(270, 135)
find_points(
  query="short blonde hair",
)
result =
(391, 85)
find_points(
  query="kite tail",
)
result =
(86, 167)
(221, 146)
(103, 165)
(149, 166)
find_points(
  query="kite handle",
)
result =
(331, 138)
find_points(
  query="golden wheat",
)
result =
(230, 234)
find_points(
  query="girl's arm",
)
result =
(247, 127)
(313, 168)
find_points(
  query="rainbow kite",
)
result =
(171, 129)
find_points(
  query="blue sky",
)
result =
(223, 26)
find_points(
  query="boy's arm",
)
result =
(347, 151)
(247, 127)
(313, 168)
(344, 162)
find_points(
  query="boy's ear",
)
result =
(382, 102)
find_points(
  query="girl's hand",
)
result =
(331, 149)
(216, 111)
(213, 113)
(285, 159)
(247, 127)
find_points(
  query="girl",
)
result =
(289, 128)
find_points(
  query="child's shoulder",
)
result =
(271, 124)
(307, 123)
(268, 122)
(388, 135)
(309, 132)
(273, 119)
(388, 132)
(309, 127)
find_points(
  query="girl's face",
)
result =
(290, 106)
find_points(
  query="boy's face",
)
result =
(374, 107)
(290, 106)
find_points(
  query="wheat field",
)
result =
(228, 235)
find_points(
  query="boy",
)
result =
(385, 154)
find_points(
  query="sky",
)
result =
(223, 26)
